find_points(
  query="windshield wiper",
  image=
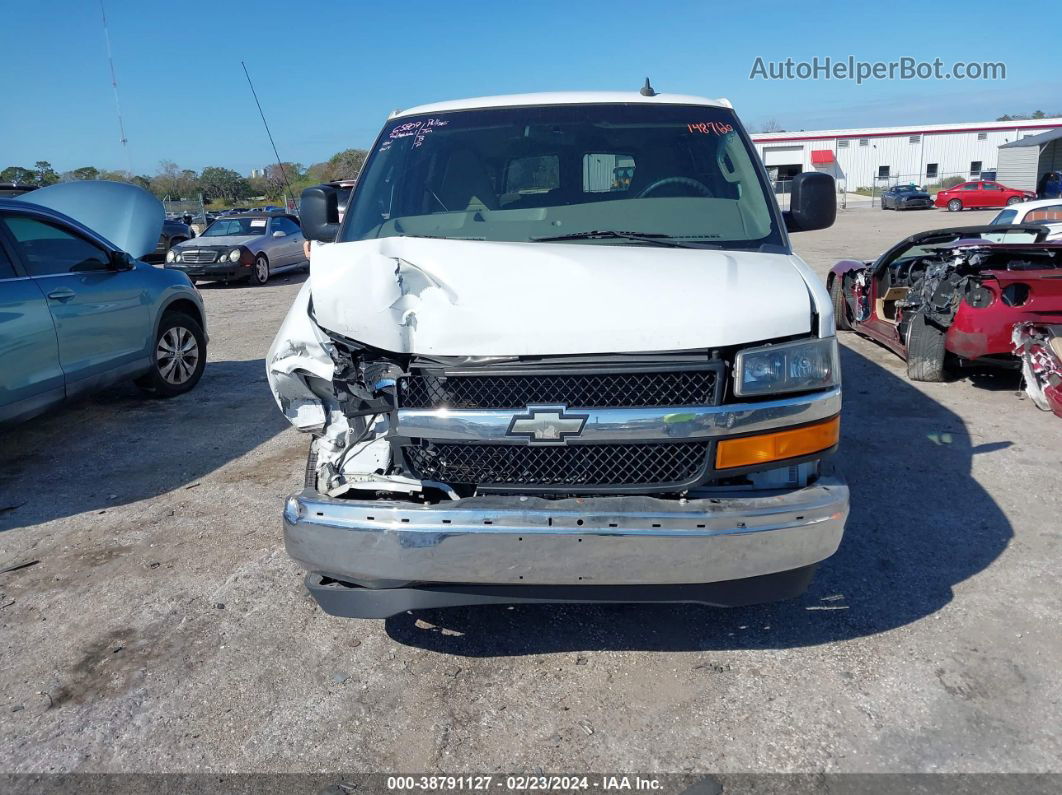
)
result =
(613, 234)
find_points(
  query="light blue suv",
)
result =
(78, 311)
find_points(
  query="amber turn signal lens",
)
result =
(766, 447)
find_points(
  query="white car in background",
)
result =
(1041, 211)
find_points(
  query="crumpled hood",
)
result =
(222, 241)
(126, 215)
(478, 298)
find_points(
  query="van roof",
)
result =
(561, 98)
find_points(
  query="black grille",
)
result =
(569, 467)
(199, 256)
(582, 390)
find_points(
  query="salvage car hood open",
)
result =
(481, 298)
(126, 215)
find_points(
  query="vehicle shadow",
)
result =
(282, 279)
(919, 525)
(119, 446)
(993, 380)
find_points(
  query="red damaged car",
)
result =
(979, 193)
(950, 297)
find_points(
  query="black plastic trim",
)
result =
(717, 366)
(348, 600)
(584, 489)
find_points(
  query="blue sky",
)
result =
(329, 71)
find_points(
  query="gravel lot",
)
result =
(165, 629)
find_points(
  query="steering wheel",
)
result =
(700, 187)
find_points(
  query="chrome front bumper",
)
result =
(517, 540)
(618, 425)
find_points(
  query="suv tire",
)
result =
(178, 357)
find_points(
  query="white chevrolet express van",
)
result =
(559, 349)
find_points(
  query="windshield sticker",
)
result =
(418, 130)
(258, 223)
(429, 125)
(405, 130)
(709, 127)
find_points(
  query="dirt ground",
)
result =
(163, 628)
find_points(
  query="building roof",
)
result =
(918, 129)
(1036, 140)
(561, 98)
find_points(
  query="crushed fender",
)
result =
(1040, 349)
(343, 393)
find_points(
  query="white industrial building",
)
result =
(880, 156)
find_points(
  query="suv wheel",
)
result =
(955, 205)
(260, 274)
(178, 357)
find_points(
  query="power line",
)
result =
(283, 173)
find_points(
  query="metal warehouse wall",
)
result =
(906, 154)
(1018, 167)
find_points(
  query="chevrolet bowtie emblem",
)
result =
(547, 425)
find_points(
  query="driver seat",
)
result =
(465, 184)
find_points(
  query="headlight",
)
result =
(171, 256)
(234, 255)
(787, 367)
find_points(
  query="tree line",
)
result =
(1036, 114)
(215, 183)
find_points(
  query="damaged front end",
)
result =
(1039, 347)
(429, 429)
(343, 393)
(383, 315)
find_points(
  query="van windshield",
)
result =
(672, 174)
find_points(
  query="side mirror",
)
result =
(812, 202)
(319, 213)
(279, 233)
(120, 261)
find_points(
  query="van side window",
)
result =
(7, 268)
(48, 249)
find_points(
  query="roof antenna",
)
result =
(647, 90)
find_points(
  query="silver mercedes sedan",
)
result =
(245, 247)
